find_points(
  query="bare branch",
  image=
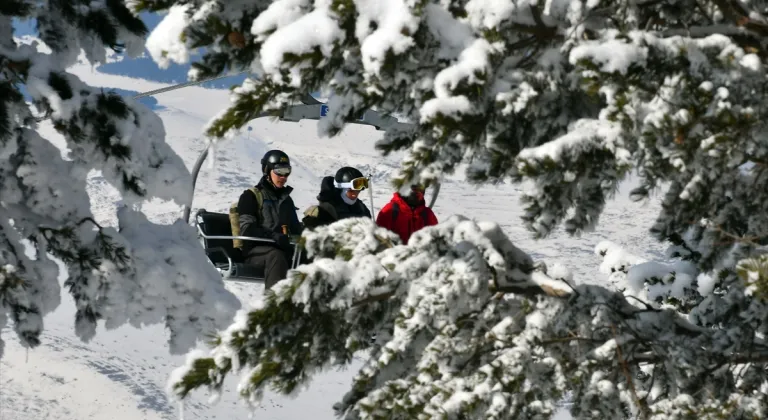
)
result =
(625, 370)
(558, 340)
(751, 240)
(736, 13)
(704, 31)
(373, 298)
(89, 219)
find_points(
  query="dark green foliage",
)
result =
(94, 123)
(9, 96)
(20, 8)
(60, 85)
(124, 17)
(157, 5)
(61, 15)
(294, 337)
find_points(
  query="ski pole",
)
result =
(370, 192)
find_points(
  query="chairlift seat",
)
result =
(216, 232)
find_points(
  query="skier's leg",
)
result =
(274, 260)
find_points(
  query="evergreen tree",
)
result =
(569, 96)
(138, 272)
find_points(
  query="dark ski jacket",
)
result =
(331, 207)
(403, 218)
(277, 210)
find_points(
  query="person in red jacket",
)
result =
(406, 214)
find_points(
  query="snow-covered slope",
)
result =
(122, 373)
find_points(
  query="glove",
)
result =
(310, 222)
(283, 241)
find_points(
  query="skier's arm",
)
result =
(431, 218)
(384, 218)
(296, 226)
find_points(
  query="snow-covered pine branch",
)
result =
(138, 272)
(441, 290)
(449, 345)
(570, 98)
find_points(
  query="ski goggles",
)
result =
(357, 184)
(282, 171)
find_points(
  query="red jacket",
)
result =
(400, 218)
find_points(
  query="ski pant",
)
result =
(275, 261)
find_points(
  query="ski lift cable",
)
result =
(157, 91)
(306, 99)
(187, 84)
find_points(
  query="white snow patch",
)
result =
(164, 43)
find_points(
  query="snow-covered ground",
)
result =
(122, 373)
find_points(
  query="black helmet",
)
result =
(347, 174)
(349, 177)
(274, 159)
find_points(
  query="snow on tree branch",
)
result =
(447, 344)
(117, 274)
(569, 98)
(328, 310)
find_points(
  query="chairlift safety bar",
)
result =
(231, 265)
(242, 238)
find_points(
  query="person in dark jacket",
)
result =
(405, 215)
(275, 219)
(338, 198)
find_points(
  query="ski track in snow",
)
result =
(55, 370)
(121, 374)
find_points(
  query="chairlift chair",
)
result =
(215, 229)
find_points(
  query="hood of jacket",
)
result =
(332, 195)
(328, 192)
(415, 201)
